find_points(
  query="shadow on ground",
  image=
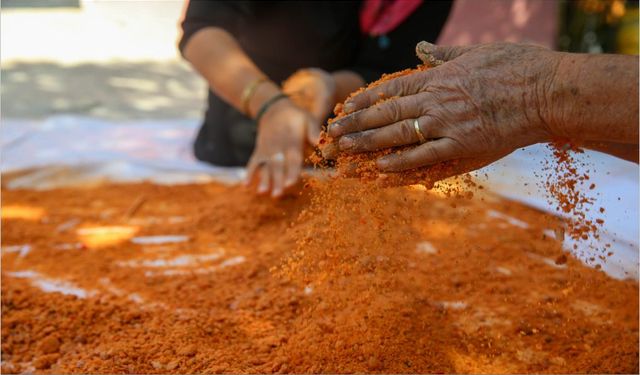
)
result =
(41, 4)
(115, 91)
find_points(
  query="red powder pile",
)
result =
(328, 280)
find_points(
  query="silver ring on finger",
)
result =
(416, 127)
(278, 157)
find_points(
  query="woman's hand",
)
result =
(276, 163)
(312, 89)
(277, 160)
(480, 102)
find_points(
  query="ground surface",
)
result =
(107, 59)
(399, 280)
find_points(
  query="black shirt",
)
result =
(284, 36)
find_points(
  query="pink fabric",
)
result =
(485, 21)
(378, 17)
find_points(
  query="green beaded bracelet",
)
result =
(267, 104)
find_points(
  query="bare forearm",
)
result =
(624, 151)
(216, 55)
(595, 98)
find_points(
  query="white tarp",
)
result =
(85, 149)
(69, 150)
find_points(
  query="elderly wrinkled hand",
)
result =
(478, 102)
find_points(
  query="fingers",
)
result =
(277, 166)
(410, 84)
(313, 131)
(383, 114)
(255, 173)
(397, 134)
(425, 154)
(263, 179)
(278, 173)
(330, 151)
(294, 167)
(259, 171)
(252, 168)
(433, 55)
(322, 107)
(401, 86)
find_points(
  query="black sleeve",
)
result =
(398, 52)
(202, 13)
(368, 74)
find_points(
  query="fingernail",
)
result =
(276, 193)
(262, 189)
(425, 46)
(383, 164)
(330, 151)
(334, 129)
(346, 143)
(349, 107)
(289, 182)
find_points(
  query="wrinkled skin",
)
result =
(277, 161)
(480, 103)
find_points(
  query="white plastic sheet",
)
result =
(69, 150)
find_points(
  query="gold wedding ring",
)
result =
(421, 137)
